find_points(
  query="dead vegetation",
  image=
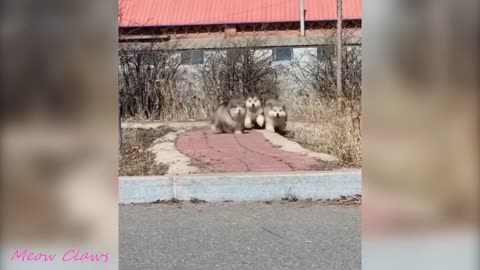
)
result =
(155, 85)
(316, 71)
(242, 69)
(135, 156)
(150, 84)
(354, 200)
(151, 80)
(335, 132)
(336, 128)
(344, 200)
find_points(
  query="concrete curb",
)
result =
(240, 187)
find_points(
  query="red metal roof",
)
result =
(203, 12)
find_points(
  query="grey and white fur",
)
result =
(254, 117)
(276, 116)
(229, 117)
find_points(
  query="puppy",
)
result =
(275, 116)
(229, 117)
(254, 116)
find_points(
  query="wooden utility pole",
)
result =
(302, 18)
(339, 50)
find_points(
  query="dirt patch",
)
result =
(202, 166)
(135, 156)
(355, 200)
(344, 200)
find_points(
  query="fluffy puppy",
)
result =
(229, 117)
(275, 116)
(254, 116)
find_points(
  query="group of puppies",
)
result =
(238, 114)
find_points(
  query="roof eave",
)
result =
(230, 23)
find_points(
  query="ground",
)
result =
(278, 235)
(135, 156)
(189, 147)
(248, 152)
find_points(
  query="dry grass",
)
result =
(335, 132)
(345, 200)
(135, 156)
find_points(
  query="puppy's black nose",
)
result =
(278, 115)
(253, 105)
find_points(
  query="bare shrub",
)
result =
(337, 129)
(241, 69)
(316, 72)
(335, 132)
(148, 80)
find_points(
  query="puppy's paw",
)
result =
(248, 123)
(270, 128)
(260, 120)
(238, 132)
(214, 129)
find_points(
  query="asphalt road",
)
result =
(284, 235)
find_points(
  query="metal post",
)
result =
(302, 18)
(339, 49)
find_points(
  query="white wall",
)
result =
(190, 83)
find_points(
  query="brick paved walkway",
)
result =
(248, 152)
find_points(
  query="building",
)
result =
(204, 24)
(199, 28)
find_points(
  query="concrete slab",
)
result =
(242, 187)
(166, 152)
(142, 189)
(156, 124)
(294, 147)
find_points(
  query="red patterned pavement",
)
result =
(238, 153)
